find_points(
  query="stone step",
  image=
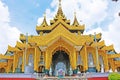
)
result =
(65, 78)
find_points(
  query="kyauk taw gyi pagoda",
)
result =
(60, 46)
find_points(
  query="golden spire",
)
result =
(75, 23)
(60, 12)
(44, 23)
(44, 15)
(74, 14)
(59, 3)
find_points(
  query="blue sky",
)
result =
(24, 13)
(22, 16)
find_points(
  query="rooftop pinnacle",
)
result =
(60, 12)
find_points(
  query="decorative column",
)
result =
(112, 65)
(35, 59)
(74, 62)
(71, 59)
(85, 58)
(46, 60)
(9, 66)
(15, 63)
(38, 54)
(106, 62)
(46, 63)
(23, 59)
(97, 55)
(76, 52)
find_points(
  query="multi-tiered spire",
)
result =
(44, 23)
(60, 18)
(75, 23)
(60, 12)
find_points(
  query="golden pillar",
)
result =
(47, 62)
(74, 62)
(70, 57)
(112, 65)
(23, 57)
(106, 62)
(85, 57)
(14, 62)
(8, 68)
(35, 59)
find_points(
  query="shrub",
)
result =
(114, 76)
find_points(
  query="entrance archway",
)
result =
(52, 54)
(91, 65)
(60, 62)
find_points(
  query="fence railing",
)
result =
(16, 75)
(41, 76)
(64, 78)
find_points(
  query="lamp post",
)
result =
(97, 56)
(26, 43)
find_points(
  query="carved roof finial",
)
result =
(59, 3)
(60, 12)
(44, 23)
(74, 14)
(75, 23)
(44, 15)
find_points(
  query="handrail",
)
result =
(41, 76)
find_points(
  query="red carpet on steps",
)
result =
(100, 78)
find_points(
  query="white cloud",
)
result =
(49, 15)
(4, 13)
(89, 11)
(113, 33)
(92, 12)
(8, 35)
(111, 36)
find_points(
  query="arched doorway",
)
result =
(91, 64)
(19, 66)
(29, 68)
(60, 62)
(79, 64)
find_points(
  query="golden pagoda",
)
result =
(59, 46)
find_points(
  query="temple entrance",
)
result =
(19, 66)
(91, 65)
(60, 63)
(29, 68)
